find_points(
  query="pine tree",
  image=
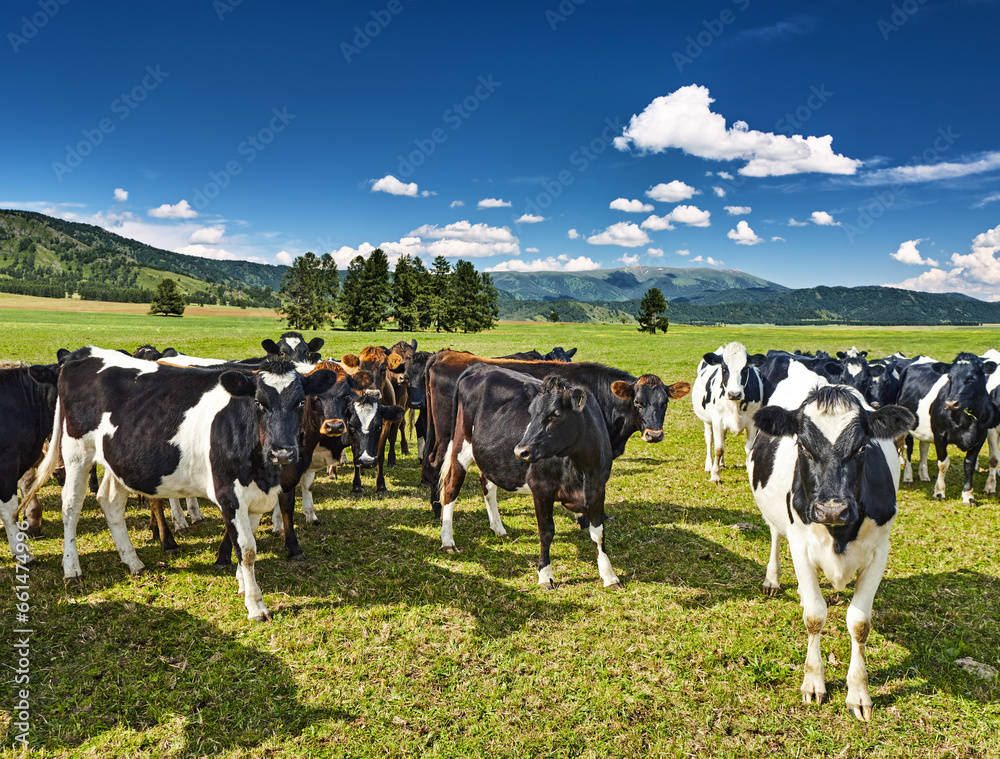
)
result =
(487, 303)
(651, 310)
(350, 294)
(167, 299)
(442, 306)
(409, 301)
(310, 290)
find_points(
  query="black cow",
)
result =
(952, 406)
(416, 397)
(825, 477)
(556, 354)
(170, 432)
(367, 419)
(547, 437)
(27, 406)
(788, 377)
(295, 347)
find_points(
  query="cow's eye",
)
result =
(804, 452)
(302, 403)
(638, 405)
(260, 406)
(862, 449)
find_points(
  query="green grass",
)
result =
(381, 645)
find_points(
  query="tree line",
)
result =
(412, 296)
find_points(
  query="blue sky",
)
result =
(843, 143)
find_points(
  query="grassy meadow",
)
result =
(383, 646)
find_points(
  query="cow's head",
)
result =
(279, 394)
(833, 432)
(294, 346)
(883, 386)
(417, 396)
(147, 352)
(966, 381)
(559, 354)
(738, 369)
(649, 397)
(327, 408)
(557, 422)
(365, 415)
(856, 373)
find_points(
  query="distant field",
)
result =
(383, 646)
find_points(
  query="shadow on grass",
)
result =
(112, 665)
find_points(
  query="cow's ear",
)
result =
(238, 384)
(876, 370)
(989, 367)
(679, 390)
(530, 390)
(841, 355)
(414, 344)
(712, 359)
(862, 354)
(833, 368)
(570, 353)
(394, 363)
(623, 390)
(757, 359)
(62, 354)
(940, 367)
(318, 382)
(392, 413)
(351, 360)
(44, 374)
(169, 353)
(578, 397)
(889, 422)
(777, 421)
(269, 346)
(315, 344)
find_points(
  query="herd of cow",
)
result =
(823, 446)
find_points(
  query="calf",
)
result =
(727, 392)
(825, 477)
(547, 438)
(27, 406)
(171, 432)
(952, 406)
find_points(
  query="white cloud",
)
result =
(573, 234)
(823, 219)
(709, 260)
(976, 273)
(531, 250)
(978, 164)
(655, 252)
(466, 231)
(777, 239)
(121, 195)
(562, 263)
(182, 210)
(743, 235)
(461, 239)
(205, 251)
(690, 215)
(493, 203)
(630, 206)
(529, 218)
(724, 174)
(793, 223)
(683, 252)
(684, 120)
(719, 192)
(210, 235)
(988, 199)
(671, 192)
(393, 186)
(624, 233)
(283, 257)
(908, 254)
(629, 260)
(737, 210)
(457, 204)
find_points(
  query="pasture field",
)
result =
(381, 645)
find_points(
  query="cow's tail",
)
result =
(49, 464)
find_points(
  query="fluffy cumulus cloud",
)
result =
(671, 192)
(743, 235)
(630, 206)
(793, 223)
(181, 210)
(558, 263)
(393, 186)
(121, 195)
(977, 164)
(976, 273)
(655, 252)
(573, 235)
(531, 250)
(209, 235)
(684, 120)
(456, 204)
(719, 192)
(823, 219)
(461, 239)
(493, 203)
(737, 210)
(683, 252)
(692, 216)
(706, 260)
(283, 257)
(908, 254)
(624, 233)
(208, 251)
(529, 218)
(629, 260)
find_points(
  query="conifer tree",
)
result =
(167, 299)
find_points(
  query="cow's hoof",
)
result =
(357, 491)
(939, 496)
(36, 532)
(173, 552)
(198, 521)
(138, 572)
(74, 582)
(862, 711)
(262, 617)
(972, 502)
(313, 522)
(550, 585)
(770, 591)
(297, 557)
(223, 566)
(449, 549)
(382, 491)
(813, 696)
(180, 530)
(615, 586)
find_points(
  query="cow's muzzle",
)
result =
(832, 513)
(366, 461)
(282, 456)
(952, 405)
(523, 452)
(332, 427)
(734, 395)
(652, 436)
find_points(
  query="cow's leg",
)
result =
(546, 532)
(971, 464)
(194, 510)
(166, 538)
(993, 443)
(177, 515)
(420, 430)
(751, 436)
(709, 450)
(277, 523)
(923, 473)
(8, 515)
(452, 476)
(719, 451)
(92, 481)
(772, 577)
(393, 430)
(595, 514)
(356, 488)
(78, 457)
(490, 496)
(814, 616)
(112, 496)
(32, 510)
(908, 465)
(380, 463)
(224, 556)
(859, 624)
(308, 508)
(286, 501)
(246, 552)
(941, 448)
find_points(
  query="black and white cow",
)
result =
(993, 436)
(855, 371)
(825, 477)
(789, 377)
(294, 346)
(417, 397)
(366, 417)
(952, 407)
(544, 437)
(27, 405)
(170, 432)
(726, 394)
